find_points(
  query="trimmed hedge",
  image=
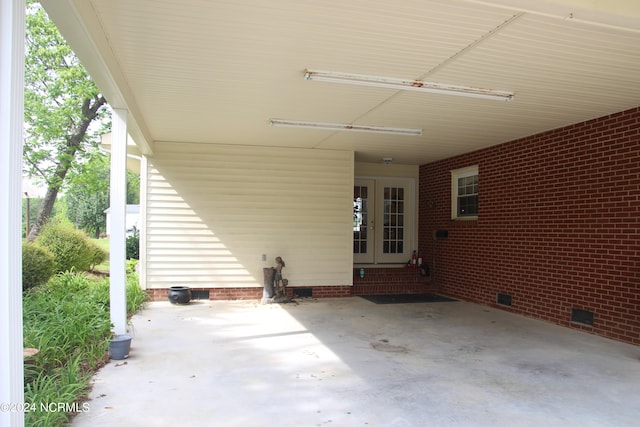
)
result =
(38, 265)
(72, 249)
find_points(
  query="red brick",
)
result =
(558, 227)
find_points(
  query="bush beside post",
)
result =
(37, 265)
(72, 249)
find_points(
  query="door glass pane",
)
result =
(360, 209)
(393, 220)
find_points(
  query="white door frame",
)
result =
(375, 227)
(367, 222)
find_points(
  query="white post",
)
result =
(118, 207)
(12, 32)
(142, 263)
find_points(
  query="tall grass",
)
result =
(136, 297)
(68, 321)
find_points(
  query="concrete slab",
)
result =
(350, 362)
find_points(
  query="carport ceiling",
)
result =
(218, 71)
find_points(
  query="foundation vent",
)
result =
(582, 316)
(199, 294)
(504, 299)
(303, 292)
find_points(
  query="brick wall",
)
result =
(253, 293)
(378, 281)
(558, 225)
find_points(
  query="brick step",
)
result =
(388, 274)
(390, 281)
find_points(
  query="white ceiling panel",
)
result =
(212, 71)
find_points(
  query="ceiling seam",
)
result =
(569, 17)
(477, 42)
(444, 63)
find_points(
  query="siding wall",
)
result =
(558, 225)
(388, 171)
(213, 210)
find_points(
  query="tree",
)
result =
(133, 188)
(61, 104)
(87, 194)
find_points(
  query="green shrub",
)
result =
(68, 321)
(131, 266)
(99, 254)
(71, 248)
(133, 245)
(37, 265)
(67, 385)
(136, 296)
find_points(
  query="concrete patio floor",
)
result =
(350, 362)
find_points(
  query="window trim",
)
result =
(455, 175)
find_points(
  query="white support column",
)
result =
(118, 207)
(12, 27)
(142, 263)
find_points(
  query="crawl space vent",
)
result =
(199, 294)
(582, 316)
(504, 299)
(303, 292)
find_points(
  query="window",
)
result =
(464, 193)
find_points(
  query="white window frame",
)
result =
(455, 175)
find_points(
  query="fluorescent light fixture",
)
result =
(401, 84)
(344, 126)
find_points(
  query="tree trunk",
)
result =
(44, 212)
(74, 143)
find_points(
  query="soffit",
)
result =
(217, 71)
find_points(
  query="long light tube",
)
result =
(344, 127)
(401, 84)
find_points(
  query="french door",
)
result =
(382, 221)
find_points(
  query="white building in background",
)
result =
(132, 218)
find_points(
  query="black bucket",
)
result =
(179, 295)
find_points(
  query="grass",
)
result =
(104, 266)
(68, 321)
(104, 244)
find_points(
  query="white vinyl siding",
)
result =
(213, 210)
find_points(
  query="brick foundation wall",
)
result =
(329, 291)
(214, 293)
(376, 281)
(558, 225)
(253, 293)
